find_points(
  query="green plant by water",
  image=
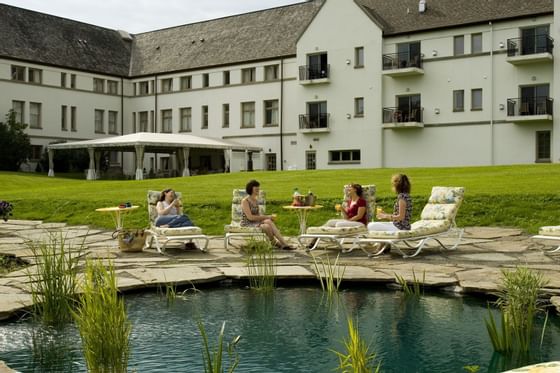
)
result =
(261, 265)
(356, 356)
(102, 321)
(329, 274)
(414, 290)
(214, 356)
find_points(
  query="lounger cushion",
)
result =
(368, 193)
(439, 211)
(153, 198)
(238, 195)
(447, 195)
(235, 228)
(181, 231)
(337, 231)
(417, 229)
(550, 231)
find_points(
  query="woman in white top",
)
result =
(169, 211)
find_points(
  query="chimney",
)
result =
(422, 6)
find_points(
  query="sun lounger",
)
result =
(234, 229)
(551, 233)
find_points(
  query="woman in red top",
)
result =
(355, 212)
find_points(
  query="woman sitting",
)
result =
(402, 210)
(169, 211)
(355, 212)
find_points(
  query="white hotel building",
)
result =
(320, 84)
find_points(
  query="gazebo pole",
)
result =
(186, 152)
(227, 158)
(91, 175)
(51, 163)
(139, 149)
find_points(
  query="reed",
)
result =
(518, 301)
(53, 280)
(213, 357)
(102, 321)
(329, 274)
(414, 290)
(261, 265)
(356, 356)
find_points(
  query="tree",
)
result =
(15, 146)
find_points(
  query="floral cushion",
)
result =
(439, 211)
(236, 212)
(153, 198)
(368, 194)
(181, 231)
(417, 229)
(550, 231)
(447, 195)
(337, 231)
(236, 228)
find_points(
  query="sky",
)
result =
(136, 16)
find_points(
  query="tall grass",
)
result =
(329, 274)
(414, 290)
(356, 356)
(213, 357)
(518, 301)
(53, 279)
(261, 265)
(102, 321)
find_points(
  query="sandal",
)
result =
(288, 247)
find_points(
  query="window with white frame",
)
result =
(35, 76)
(248, 75)
(143, 88)
(34, 115)
(112, 119)
(166, 120)
(36, 152)
(271, 72)
(204, 118)
(226, 77)
(64, 118)
(225, 116)
(205, 80)
(310, 160)
(359, 57)
(458, 45)
(270, 161)
(359, 107)
(18, 73)
(543, 146)
(63, 80)
(344, 156)
(73, 119)
(476, 99)
(186, 82)
(72, 80)
(270, 113)
(152, 122)
(167, 85)
(186, 119)
(459, 100)
(476, 43)
(112, 87)
(99, 121)
(18, 108)
(248, 114)
(98, 85)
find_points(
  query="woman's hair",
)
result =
(250, 185)
(401, 183)
(163, 193)
(359, 189)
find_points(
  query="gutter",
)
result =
(281, 114)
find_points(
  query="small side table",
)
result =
(117, 213)
(302, 212)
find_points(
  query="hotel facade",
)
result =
(316, 85)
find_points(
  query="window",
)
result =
(64, 118)
(226, 78)
(459, 100)
(359, 57)
(205, 80)
(186, 119)
(73, 118)
(152, 122)
(112, 87)
(204, 116)
(98, 85)
(247, 115)
(543, 146)
(409, 109)
(18, 73)
(535, 100)
(99, 125)
(310, 160)
(113, 121)
(114, 158)
(476, 99)
(134, 130)
(34, 115)
(344, 156)
(143, 88)
(35, 76)
(166, 119)
(248, 75)
(476, 43)
(63, 79)
(317, 67)
(18, 107)
(72, 80)
(270, 161)
(458, 45)
(316, 117)
(270, 113)
(143, 121)
(408, 55)
(167, 85)
(359, 107)
(536, 40)
(225, 115)
(186, 82)
(271, 72)
(36, 152)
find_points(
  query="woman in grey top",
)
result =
(402, 210)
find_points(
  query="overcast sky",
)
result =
(137, 16)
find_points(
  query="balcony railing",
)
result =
(312, 72)
(527, 46)
(395, 115)
(541, 105)
(401, 61)
(314, 121)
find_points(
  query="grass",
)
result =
(330, 275)
(414, 290)
(356, 357)
(522, 196)
(261, 265)
(214, 356)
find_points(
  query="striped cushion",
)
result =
(550, 231)
(417, 229)
(337, 231)
(181, 231)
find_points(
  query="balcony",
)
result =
(314, 74)
(314, 123)
(402, 64)
(395, 118)
(529, 109)
(521, 51)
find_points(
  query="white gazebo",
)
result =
(147, 142)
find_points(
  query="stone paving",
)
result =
(474, 267)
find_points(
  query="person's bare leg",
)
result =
(267, 229)
(276, 232)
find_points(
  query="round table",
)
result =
(117, 213)
(302, 212)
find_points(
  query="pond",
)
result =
(291, 330)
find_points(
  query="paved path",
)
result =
(475, 267)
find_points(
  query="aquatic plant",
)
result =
(213, 360)
(329, 274)
(261, 265)
(102, 321)
(356, 357)
(414, 290)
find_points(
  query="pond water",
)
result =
(291, 330)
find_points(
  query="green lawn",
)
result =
(510, 196)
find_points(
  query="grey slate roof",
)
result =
(448, 13)
(42, 38)
(252, 36)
